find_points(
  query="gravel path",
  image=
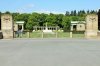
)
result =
(49, 52)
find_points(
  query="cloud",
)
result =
(30, 6)
(25, 8)
(48, 12)
(20, 10)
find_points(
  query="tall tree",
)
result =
(88, 12)
(72, 13)
(42, 19)
(7, 12)
(67, 13)
(51, 20)
(59, 19)
(75, 13)
(66, 23)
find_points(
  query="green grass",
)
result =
(49, 35)
(78, 34)
(38, 34)
(63, 34)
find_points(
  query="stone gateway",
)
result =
(8, 27)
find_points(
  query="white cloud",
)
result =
(25, 8)
(30, 6)
(48, 12)
(20, 10)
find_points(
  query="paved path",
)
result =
(49, 52)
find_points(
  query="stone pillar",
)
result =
(91, 26)
(28, 34)
(7, 26)
(42, 34)
(56, 32)
(71, 34)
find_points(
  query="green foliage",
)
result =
(7, 12)
(61, 20)
(29, 26)
(66, 23)
(42, 19)
(51, 19)
(67, 13)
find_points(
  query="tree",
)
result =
(67, 13)
(59, 19)
(81, 13)
(93, 12)
(88, 12)
(42, 19)
(63, 21)
(29, 26)
(66, 23)
(74, 18)
(51, 20)
(7, 12)
(74, 14)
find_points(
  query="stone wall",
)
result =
(80, 27)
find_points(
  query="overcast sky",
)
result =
(55, 6)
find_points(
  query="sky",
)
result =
(48, 6)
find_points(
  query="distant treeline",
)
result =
(61, 20)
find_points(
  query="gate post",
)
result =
(91, 26)
(71, 34)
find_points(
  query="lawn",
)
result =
(40, 34)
